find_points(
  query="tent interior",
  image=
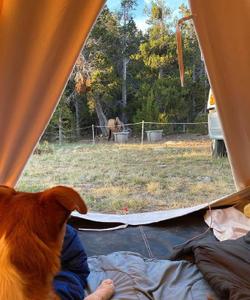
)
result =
(137, 254)
(155, 240)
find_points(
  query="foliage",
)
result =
(149, 110)
(200, 128)
(133, 74)
(102, 56)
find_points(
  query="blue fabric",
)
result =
(70, 283)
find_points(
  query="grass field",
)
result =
(128, 178)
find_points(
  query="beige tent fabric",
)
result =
(240, 198)
(224, 35)
(227, 223)
(39, 43)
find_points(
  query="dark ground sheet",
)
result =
(155, 240)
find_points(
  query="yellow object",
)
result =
(211, 99)
(247, 210)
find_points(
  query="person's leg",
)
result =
(104, 291)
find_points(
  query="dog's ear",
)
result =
(68, 198)
(6, 191)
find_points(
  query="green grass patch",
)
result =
(133, 178)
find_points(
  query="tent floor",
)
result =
(155, 240)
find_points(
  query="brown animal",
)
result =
(31, 234)
(114, 125)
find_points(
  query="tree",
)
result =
(101, 56)
(60, 122)
(127, 38)
(81, 78)
(194, 65)
(125, 72)
(149, 110)
(161, 77)
(157, 51)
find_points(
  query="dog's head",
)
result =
(41, 214)
(32, 228)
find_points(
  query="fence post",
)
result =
(93, 134)
(184, 128)
(142, 132)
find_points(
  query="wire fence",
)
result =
(139, 131)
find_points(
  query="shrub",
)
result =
(44, 148)
(199, 128)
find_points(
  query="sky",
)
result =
(139, 15)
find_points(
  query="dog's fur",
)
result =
(31, 234)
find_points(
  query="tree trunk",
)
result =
(77, 111)
(124, 88)
(206, 85)
(193, 94)
(101, 117)
(60, 128)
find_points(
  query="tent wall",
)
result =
(40, 40)
(39, 43)
(224, 35)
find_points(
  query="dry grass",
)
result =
(131, 177)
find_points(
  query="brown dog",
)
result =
(31, 234)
